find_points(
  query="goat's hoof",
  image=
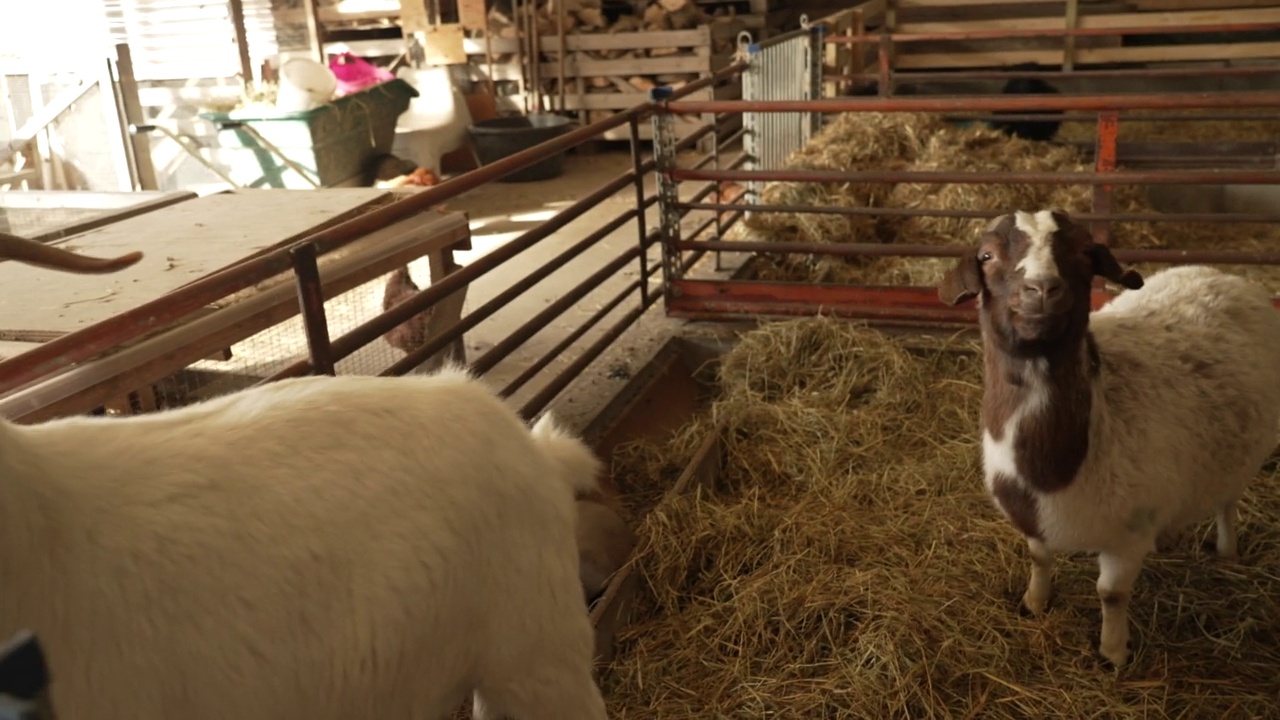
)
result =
(1028, 607)
(1210, 547)
(1111, 659)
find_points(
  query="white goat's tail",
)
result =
(577, 464)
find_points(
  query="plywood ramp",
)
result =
(181, 243)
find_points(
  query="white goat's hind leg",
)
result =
(1040, 585)
(1226, 523)
(1117, 573)
(545, 670)
(541, 695)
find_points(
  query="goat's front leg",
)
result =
(1040, 584)
(1226, 523)
(1117, 573)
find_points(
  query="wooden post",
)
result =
(43, 153)
(144, 168)
(315, 31)
(236, 9)
(113, 116)
(1069, 41)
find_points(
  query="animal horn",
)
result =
(36, 253)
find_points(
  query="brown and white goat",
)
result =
(1103, 432)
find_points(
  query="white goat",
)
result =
(349, 547)
(1103, 434)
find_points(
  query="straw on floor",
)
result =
(848, 565)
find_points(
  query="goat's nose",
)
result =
(1044, 288)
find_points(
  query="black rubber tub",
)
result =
(500, 137)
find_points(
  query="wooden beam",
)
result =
(113, 116)
(1069, 41)
(1088, 56)
(315, 31)
(1171, 20)
(236, 10)
(139, 143)
(47, 114)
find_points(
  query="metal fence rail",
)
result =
(718, 299)
(74, 352)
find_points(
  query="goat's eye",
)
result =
(984, 257)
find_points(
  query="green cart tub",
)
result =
(332, 144)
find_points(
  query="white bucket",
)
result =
(304, 84)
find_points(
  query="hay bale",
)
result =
(852, 141)
(850, 565)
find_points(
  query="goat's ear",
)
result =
(963, 281)
(1106, 265)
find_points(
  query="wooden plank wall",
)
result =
(937, 16)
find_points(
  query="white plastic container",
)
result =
(304, 84)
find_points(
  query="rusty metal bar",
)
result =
(518, 288)
(420, 354)
(164, 311)
(311, 306)
(1031, 177)
(1155, 255)
(714, 299)
(370, 330)
(375, 327)
(756, 298)
(1105, 164)
(988, 214)
(1050, 74)
(884, 64)
(580, 363)
(977, 103)
(1152, 117)
(544, 317)
(1058, 32)
(89, 342)
(537, 366)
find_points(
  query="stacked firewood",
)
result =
(588, 16)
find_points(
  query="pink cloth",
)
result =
(355, 73)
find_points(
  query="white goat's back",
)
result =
(1192, 393)
(359, 543)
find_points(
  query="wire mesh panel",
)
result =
(780, 69)
(80, 146)
(261, 355)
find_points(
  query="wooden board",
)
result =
(443, 45)
(413, 16)
(1152, 53)
(1171, 20)
(181, 243)
(13, 348)
(471, 14)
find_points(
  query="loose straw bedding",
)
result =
(848, 564)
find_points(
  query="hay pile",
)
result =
(849, 565)
(921, 142)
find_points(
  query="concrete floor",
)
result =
(501, 211)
